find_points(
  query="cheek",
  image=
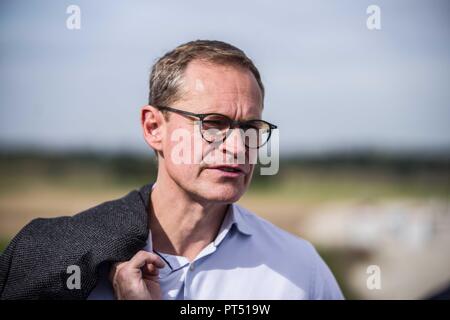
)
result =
(182, 172)
(180, 153)
(200, 151)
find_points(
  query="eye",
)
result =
(215, 122)
(248, 126)
(258, 125)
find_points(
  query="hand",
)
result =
(137, 279)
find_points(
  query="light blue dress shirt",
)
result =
(250, 259)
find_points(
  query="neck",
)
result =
(179, 224)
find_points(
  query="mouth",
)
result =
(228, 171)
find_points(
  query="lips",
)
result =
(232, 169)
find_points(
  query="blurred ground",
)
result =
(392, 214)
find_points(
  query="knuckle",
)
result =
(141, 254)
(121, 275)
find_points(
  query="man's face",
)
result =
(212, 88)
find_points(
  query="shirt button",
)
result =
(191, 267)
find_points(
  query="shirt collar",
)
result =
(234, 216)
(241, 222)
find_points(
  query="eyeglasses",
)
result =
(216, 127)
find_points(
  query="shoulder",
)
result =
(294, 256)
(279, 239)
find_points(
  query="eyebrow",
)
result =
(217, 112)
(206, 112)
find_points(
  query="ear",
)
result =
(152, 123)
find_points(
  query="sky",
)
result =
(331, 83)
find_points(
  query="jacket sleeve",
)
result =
(7, 256)
(35, 265)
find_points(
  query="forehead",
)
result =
(228, 89)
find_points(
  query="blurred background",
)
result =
(363, 117)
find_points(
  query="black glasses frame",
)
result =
(233, 124)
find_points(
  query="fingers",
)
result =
(114, 268)
(150, 270)
(145, 261)
(143, 257)
(138, 277)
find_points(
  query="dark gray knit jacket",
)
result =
(34, 265)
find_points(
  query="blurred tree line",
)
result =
(133, 168)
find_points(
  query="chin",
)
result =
(223, 192)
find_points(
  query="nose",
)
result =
(234, 143)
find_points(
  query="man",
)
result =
(182, 237)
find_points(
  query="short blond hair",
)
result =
(167, 73)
